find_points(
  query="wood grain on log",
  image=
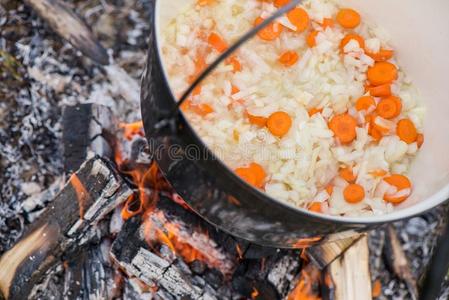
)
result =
(63, 228)
(350, 273)
(71, 27)
(324, 254)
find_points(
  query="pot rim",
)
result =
(418, 208)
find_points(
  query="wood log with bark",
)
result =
(68, 224)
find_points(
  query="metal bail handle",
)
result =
(285, 9)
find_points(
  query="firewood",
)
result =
(71, 27)
(68, 224)
(350, 273)
(324, 254)
(397, 261)
(93, 123)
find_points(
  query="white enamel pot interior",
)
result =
(419, 32)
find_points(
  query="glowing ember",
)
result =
(306, 242)
(308, 284)
(191, 247)
(81, 193)
(239, 251)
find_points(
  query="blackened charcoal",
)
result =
(198, 267)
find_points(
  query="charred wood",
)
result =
(397, 261)
(85, 130)
(65, 22)
(69, 223)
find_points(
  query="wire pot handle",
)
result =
(286, 8)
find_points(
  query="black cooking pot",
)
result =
(211, 188)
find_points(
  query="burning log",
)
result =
(324, 254)
(94, 124)
(350, 273)
(69, 223)
(398, 262)
(71, 27)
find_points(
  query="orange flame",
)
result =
(255, 293)
(239, 251)
(191, 247)
(81, 193)
(132, 129)
(308, 284)
(306, 242)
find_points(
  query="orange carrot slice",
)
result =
(259, 173)
(236, 65)
(348, 18)
(269, 33)
(382, 73)
(351, 36)
(330, 189)
(354, 193)
(420, 140)
(280, 3)
(205, 2)
(347, 174)
(246, 174)
(327, 22)
(279, 123)
(311, 38)
(401, 182)
(364, 103)
(315, 111)
(406, 131)
(257, 120)
(343, 127)
(315, 207)
(382, 55)
(383, 90)
(300, 18)
(289, 58)
(389, 108)
(217, 42)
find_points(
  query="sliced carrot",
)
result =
(236, 65)
(280, 3)
(300, 18)
(343, 127)
(289, 58)
(246, 174)
(257, 120)
(269, 33)
(279, 123)
(315, 111)
(200, 66)
(347, 174)
(383, 90)
(253, 174)
(348, 18)
(349, 37)
(311, 38)
(354, 193)
(401, 182)
(234, 90)
(406, 131)
(382, 55)
(330, 189)
(364, 103)
(315, 207)
(420, 140)
(389, 108)
(382, 73)
(202, 109)
(378, 173)
(185, 106)
(217, 42)
(259, 173)
(327, 22)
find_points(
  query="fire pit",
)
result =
(85, 213)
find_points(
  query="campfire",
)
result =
(111, 226)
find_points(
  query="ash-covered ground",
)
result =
(40, 73)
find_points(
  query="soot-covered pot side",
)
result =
(209, 187)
